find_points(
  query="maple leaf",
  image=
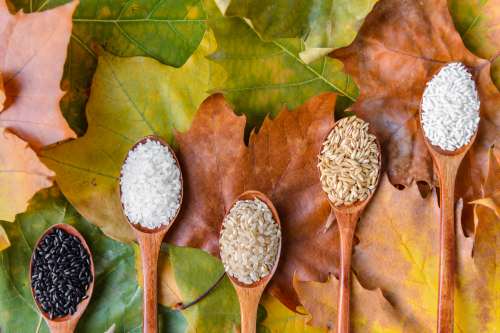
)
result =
(21, 175)
(32, 54)
(400, 47)
(280, 161)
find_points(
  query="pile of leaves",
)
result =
(245, 91)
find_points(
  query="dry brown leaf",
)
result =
(280, 161)
(21, 175)
(370, 310)
(400, 46)
(32, 55)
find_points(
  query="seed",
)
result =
(349, 162)
(450, 107)
(55, 275)
(150, 185)
(249, 241)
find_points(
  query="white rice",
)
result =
(450, 108)
(150, 185)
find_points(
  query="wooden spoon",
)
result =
(150, 242)
(347, 219)
(66, 324)
(447, 164)
(249, 294)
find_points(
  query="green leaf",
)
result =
(169, 31)
(264, 76)
(116, 299)
(324, 25)
(195, 272)
(131, 98)
(478, 22)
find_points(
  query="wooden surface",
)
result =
(150, 244)
(68, 323)
(249, 295)
(447, 167)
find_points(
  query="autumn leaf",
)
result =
(370, 310)
(262, 77)
(4, 239)
(116, 299)
(478, 24)
(323, 25)
(398, 252)
(168, 31)
(400, 47)
(21, 175)
(31, 62)
(281, 319)
(280, 161)
(131, 98)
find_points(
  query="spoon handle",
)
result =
(67, 326)
(447, 248)
(249, 299)
(347, 225)
(150, 244)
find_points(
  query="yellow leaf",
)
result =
(4, 240)
(370, 310)
(281, 319)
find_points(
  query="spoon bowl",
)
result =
(150, 243)
(447, 164)
(347, 218)
(249, 294)
(66, 324)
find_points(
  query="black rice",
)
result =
(60, 273)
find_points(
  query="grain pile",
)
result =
(249, 242)
(349, 162)
(150, 185)
(60, 273)
(450, 108)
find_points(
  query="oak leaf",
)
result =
(280, 161)
(32, 54)
(401, 45)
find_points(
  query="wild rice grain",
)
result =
(60, 273)
(349, 162)
(249, 242)
(150, 185)
(450, 108)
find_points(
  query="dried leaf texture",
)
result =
(280, 161)
(399, 48)
(21, 175)
(32, 55)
